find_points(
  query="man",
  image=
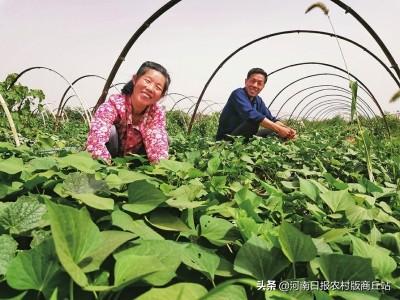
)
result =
(245, 112)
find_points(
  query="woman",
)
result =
(133, 122)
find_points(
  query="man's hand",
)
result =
(292, 135)
(286, 132)
(281, 129)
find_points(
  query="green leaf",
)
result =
(383, 217)
(178, 291)
(257, 259)
(195, 173)
(338, 200)
(229, 292)
(139, 227)
(321, 188)
(54, 295)
(249, 202)
(354, 87)
(38, 236)
(82, 187)
(391, 241)
(224, 286)
(308, 189)
(336, 183)
(218, 231)
(370, 186)
(321, 295)
(270, 189)
(36, 269)
(168, 253)
(94, 201)
(247, 226)
(81, 183)
(382, 263)
(164, 220)
(126, 274)
(225, 268)
(81, 161)
(201, 259)
(356, 295)
(296, 245)
(185, 196)
(182, 204)
(23, 215)
(357, 214)
(143, 197)
(374, 236)
(111, 240)
(218, 182)
(341, 267)
(124, 176)
(188, 192)
(335, 234)
(42, 163)
(7, 189)
(127, 176)
(18, 297)
(247, 159)
(113, 181)
(12, 165)
(8, 247)
(174, 166)
(213, 165)
(75, 237)
(322, 246)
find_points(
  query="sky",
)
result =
(77, 38)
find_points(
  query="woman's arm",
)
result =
(100, 129)
(155, 137)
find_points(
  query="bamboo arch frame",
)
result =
(61, 104)
(334, 109)
(321, 64)
(330, 88)
(284, 33)
(172, 3)
(322, 96)
(85, 109)
(331, 101)
(129, 45)
(362, 86)
(374, 35)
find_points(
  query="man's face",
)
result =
(254, 84)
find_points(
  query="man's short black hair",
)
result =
(257, 71)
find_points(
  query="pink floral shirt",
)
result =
(117, 110)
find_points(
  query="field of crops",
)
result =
(267, 219)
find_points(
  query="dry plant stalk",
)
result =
(10, 121)
(395, 97)
(320, 5)
(325, 10)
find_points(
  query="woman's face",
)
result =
(148, 88)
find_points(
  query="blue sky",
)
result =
(85, 37)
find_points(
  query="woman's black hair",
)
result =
(128, 87)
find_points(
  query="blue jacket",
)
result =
(239, 109)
